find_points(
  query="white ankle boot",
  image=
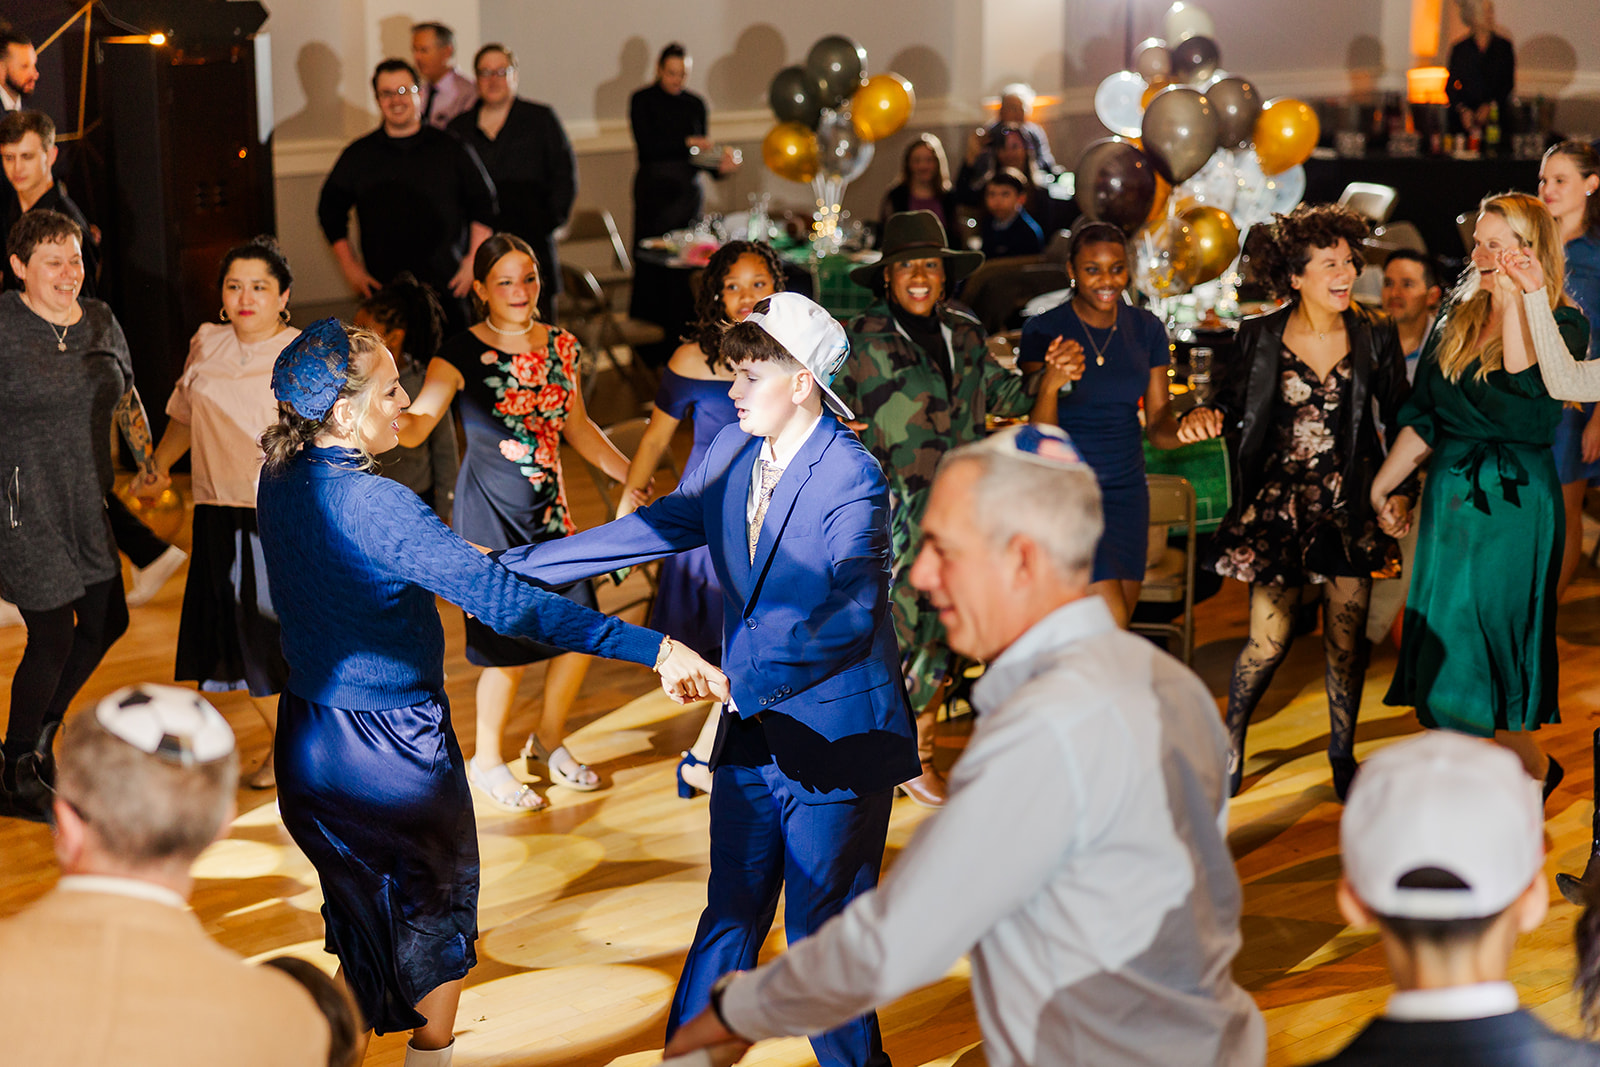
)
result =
(437, 1057)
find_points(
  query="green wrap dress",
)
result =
(1478, 653)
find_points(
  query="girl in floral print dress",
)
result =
(515, 381)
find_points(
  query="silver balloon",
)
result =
(841, 153)
(1188, 20)
(1179, 132)
(1152, 59)
(1118, 103)
(1238, 105)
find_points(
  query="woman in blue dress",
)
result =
(1569, 177)
(695, 385)
(371, 783)
(1123, 354)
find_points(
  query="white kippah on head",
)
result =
(172, 724)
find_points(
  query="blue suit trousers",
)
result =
(763, 841)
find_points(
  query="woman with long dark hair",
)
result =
(516, 384)
(924, 183)
(1301, 389)
(694, 385)
(371, 782)
(228, 633)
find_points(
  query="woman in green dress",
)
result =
(1478, 653)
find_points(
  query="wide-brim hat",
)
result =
(916, 235)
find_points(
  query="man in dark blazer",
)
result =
(1443, 849)
(819, 732)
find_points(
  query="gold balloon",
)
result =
(1158, 208)
(1155, 88)
(1286, 133)
(163, 514)
(882, 106)
(790, 151)
(1216, 241)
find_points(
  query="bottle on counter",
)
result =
(1491, 130)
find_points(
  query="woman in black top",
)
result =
(667, 121)
(528, 157)
(65, 378)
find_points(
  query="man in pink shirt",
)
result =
(446, 92)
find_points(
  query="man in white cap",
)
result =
(796, 514)
(111, 967)
(1080, 859)
(1443, 849)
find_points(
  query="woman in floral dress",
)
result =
(519, 396)
(1300, 392)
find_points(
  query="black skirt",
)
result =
(228, 633)
(486, 648)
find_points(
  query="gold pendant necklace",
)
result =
(1099, 350)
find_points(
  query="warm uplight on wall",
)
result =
(158, 39)
(1425, 85)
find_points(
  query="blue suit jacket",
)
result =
(807, 641)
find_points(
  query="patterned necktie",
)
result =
(770, 473)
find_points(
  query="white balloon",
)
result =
(1188, 20)
(1118, 103)
(1215, 184)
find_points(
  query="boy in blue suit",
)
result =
(819, 732)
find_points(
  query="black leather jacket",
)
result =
(1246, 388)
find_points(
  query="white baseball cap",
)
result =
(1442, 826)
(809, 334)
(176, 725)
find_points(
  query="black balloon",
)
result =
(1238, 106)
(1116, 183)
(1194, 59)
(797, 96)
(840, 64)
(1179, 132)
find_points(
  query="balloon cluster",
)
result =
(830, 113)
(1197, 156)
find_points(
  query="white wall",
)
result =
(585, 58)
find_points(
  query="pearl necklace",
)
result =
(489, 322)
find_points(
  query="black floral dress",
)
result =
(1297, 528)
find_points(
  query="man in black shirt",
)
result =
(529, 159)
(422, 199)
(28, 152)
(1483, 68)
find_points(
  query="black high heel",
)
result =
(1585, 888)
(1553, 773)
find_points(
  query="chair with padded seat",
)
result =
(1169, 571)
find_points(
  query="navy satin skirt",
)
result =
(378, 801)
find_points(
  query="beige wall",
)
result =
(585, 58)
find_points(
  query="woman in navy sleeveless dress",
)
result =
(694, 384)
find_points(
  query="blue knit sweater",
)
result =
(353, 564)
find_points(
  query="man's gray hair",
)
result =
(143, 809)
(1056, 507)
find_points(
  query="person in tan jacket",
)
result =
(111, 966)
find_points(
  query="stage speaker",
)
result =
(189, 158)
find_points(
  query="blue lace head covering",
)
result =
(312, 371)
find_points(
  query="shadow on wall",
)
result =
(926, 69)
(1364, 61)
(394, 35)
(1545, 64)
(326, 114)
(739, 80)
(635, 70)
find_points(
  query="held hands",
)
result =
(705, 1032)
(1064, 359)
(1520, 268)
(686, 677)
(1394, 515)
(1201, 424)
(151, 483)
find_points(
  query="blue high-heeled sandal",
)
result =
(687, 790)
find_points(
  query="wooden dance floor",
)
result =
(587, 908)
